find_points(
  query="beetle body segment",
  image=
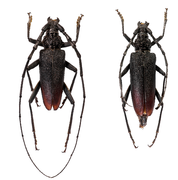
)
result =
(142, 76)
(52, 67)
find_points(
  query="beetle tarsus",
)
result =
(79, 19)
(65, 147)
(122, 19)
(63, 102)
(125, 102)
(64, 150)
(158, 106)
(153, 140)
(36, 148)
(165, 14)
(28, 25)
(66, 143)
(132, 140)
(30, 18)
(35, 141)
(36, 100)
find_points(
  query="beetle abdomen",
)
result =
(142, 75)
(52, 66)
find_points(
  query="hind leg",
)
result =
(123, 106)
(69, 96)
(32, 97)
(157, 130)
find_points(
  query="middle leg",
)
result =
(74, 69)
(34, 41)
(31, 66)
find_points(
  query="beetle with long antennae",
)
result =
(52, 66)
(143, 68)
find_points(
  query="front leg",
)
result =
(122, 20)
(78, 27)
(125, 35)
(156, 40)
(28, 31)
(29, 25)
(67, 44)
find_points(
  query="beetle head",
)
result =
(142, 42)
(53, 21)
(143, 121)
(53, 29)
(142, 33)
(52, 39)
(142, 25)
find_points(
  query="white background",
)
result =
(104, 150)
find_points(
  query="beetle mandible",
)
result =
(52, 66)
(142, 68)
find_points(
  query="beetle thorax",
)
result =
(142, 43)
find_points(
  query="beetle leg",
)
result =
(32, 97)
(124, 100)
(28, 26)
(157, 130)
(44, 29)
(155, 41)
(78, 27)
(122, 74)
(122, 20)
(128, 127)
(74, 69)
(160, 70)
(28, 31)
(125, 70)
(123, 106)
(164, 84)
(121, 64)
(125, 35)
(69, 96)
(31, 66)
